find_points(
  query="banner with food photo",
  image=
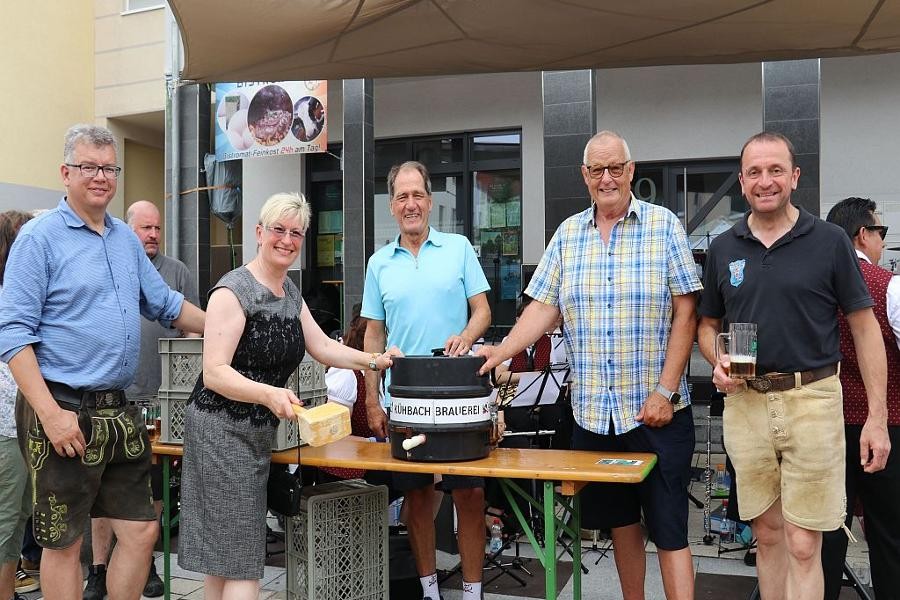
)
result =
(262, 118)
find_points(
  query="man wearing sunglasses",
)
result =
(878, 492)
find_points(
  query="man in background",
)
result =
(879, 492)
(144, 219)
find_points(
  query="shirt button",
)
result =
(609, 388)
(609, 361)
(609, 278)
(609, 306)
(609, 333)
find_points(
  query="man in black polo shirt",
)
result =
(788, 272)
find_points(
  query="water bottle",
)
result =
(496, 536)
(723, 480)
(726, 530)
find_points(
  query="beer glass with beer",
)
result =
(740, 344)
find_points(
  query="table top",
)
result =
(518, 463)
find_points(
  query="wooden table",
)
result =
(570, 470)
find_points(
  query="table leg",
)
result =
(576, 550)
(549, 540)
(167, 528)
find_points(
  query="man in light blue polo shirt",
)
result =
(76, 285)
(427, 290)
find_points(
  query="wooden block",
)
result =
(323, 424)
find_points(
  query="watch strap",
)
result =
(664, 392)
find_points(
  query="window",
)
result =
(476, 183)
(136, 5)
(706, 195)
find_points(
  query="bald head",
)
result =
(144, 219)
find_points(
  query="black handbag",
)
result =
(283, 489)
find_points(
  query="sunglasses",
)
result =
(881, 229)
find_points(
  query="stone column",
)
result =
(791, 94)
(358, 163)
(193, 210)
(570, 119)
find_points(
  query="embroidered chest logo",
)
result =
(736, 268)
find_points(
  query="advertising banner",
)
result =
(262, 118)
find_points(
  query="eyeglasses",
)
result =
(90, 171)
(881, 229)
(615, 170)
(278, 231)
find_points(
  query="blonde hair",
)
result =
(285, 204)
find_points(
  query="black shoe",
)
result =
(154, 587)
(96, 583)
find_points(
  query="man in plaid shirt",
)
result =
(623, 277)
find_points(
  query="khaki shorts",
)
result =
(789, 445)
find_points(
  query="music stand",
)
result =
(535, 389)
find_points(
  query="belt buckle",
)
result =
(760, 384)
(106, 399)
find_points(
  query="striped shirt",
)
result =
(77, 298)
(616, 303)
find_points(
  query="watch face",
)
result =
(675, 398)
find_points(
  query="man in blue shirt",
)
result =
(78, 281)
(423, 291)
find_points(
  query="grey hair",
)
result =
(603, 135)
(87, 134)
(285, 204)
(410, 164)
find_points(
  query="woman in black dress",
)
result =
(257, 330)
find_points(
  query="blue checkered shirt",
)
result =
(616, 303)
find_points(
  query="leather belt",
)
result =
(781, 382)
(74, 399)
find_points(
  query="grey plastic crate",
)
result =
(337, 547)
(308, 380)
(172, 406)
(182, 362)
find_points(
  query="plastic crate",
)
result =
(182, 362)
(171, 413)
(308, 381)
(337, 547)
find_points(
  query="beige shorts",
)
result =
(789, 445)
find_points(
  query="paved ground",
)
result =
(600, 583)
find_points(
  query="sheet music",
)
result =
(532, 384)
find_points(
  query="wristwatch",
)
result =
(372, 365)
(673, 397)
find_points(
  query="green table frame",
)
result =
(562, 474)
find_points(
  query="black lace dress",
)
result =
(227, 444)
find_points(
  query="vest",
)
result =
(359, 426)
(856, 407)
(536, 361)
